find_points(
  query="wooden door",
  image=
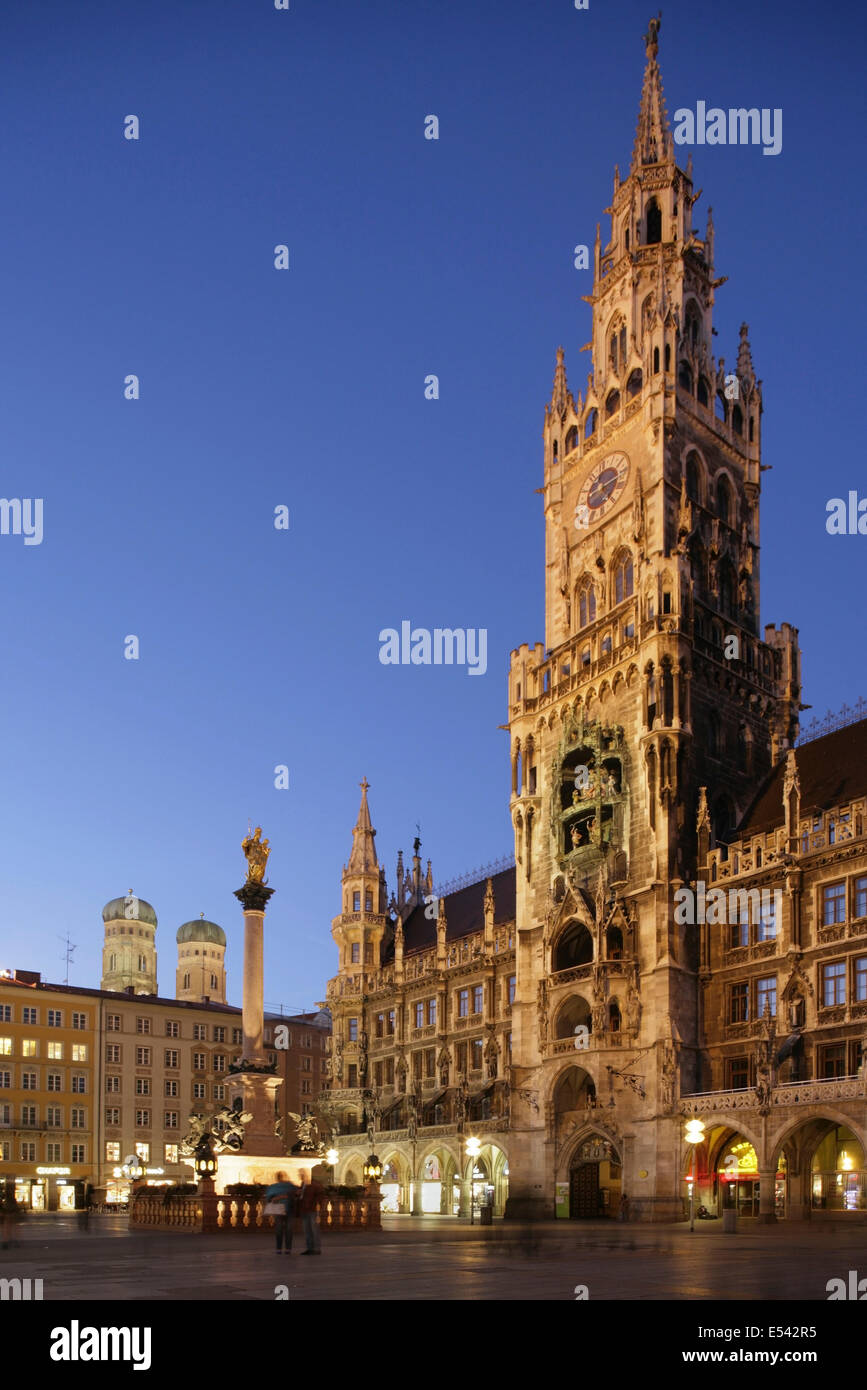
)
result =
(584, 1204)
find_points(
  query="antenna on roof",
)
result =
(68, 954)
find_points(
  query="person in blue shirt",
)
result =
(286, 1192)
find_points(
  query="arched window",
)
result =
(585, 656)
(738, 420)
(684, 376)
(719, 408)
(612, 404)
(623, 578)
(634, 384)
(571, 440)
(586, 604)
(213, 982)
(605, 646)
(703, 392)
(692, 331)
(668, 357)
(614, 1016)
(575, 947)
(693, 479)
(655, 360)
(724, 500)
(752, 423)
(654, 223)
(590, 423)
(112, 962)
(186, 982)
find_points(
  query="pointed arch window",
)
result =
(724, 501)
(738, 420)
(634, 384)
(571, 439)
(586, 604)
(693, 479)
(612, 404)
(684, 377)
(590, 423)
(654, 223)
(655, 360)
(623, 578)
(703, 392)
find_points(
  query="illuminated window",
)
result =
(28, 1047)
(112, 1151)
(55, 1051)
(171, 1153)
(79, 1052)
(143, 1151)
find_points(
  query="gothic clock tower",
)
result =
(642, 727)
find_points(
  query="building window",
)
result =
(53, 1119)
(142, 1056)
(306, 1063)
(199, 1061)
(353, 1075)
(53, 1153)
(476, 1054)
(171, 1120)
(219, 1091)
(199, 1032)
(737, 1073)
(587, 605)
(306, 1088)
(219, 1061)
(173, 1028)
(380, 1025)
(861, 897)
(834, 983)
(112, 1151)
(237, 1035)
(142, 1085)
(431, 1012)
(766, 993)
(79, 1052)
(353, 1030)
(78, 1118)
(112, 1052)
(112, 1118)
(478, 998)
(5, 1047)
(860, 979)
(219, 1034)
(28, 1153)
(142, 1025)
(356, 902)
(832, 1061)
(171, 1088)
(28, 1081)
(739, 1003)
(171, 1058)
(143, 1119)
(79, 1085)
(200, 1090)
(54, 1080)
(833, 904)
(768, 917)
(463, 1003)
(739, 932)
(623, 579)
(417, 1063)
(112, 1085)
(355, 951)
(419, 1014)
(186, 983)
(112, 1023)
(79, 1020)
(55, 1018)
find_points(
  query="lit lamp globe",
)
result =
(205, 1164)
(332, 1156)
(693, 1134)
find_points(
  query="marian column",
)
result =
(252, 1080)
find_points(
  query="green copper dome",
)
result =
(129, 909)
(201, 930)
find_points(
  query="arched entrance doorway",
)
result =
(595, 1180)
(838, 1173)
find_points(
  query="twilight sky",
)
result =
(306, 388)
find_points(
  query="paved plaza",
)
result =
(440, 1258)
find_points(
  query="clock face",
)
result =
(603, 487)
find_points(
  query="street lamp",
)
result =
(372, 1169)
(474, 1148)
(693, 1134)
(205, 1162)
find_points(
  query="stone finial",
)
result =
(745, 358)
(653, 141)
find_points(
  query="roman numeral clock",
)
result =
(602, 488)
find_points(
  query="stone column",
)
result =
(767, 1211)
(255, 1084)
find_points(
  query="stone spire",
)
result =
(653, 142)
(561, 396)
(745, 358)
(362, 859)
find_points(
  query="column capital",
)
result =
(254, 897)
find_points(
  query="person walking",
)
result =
(282, 1196)
(312, 1194)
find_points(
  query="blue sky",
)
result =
(306, 388)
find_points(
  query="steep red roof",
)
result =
(831, 770)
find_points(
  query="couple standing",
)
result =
(305, 1198)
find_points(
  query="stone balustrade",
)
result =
(207, 1212)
